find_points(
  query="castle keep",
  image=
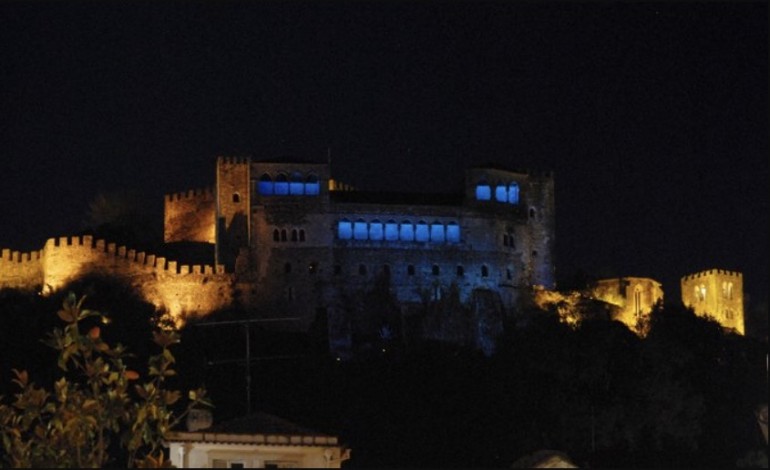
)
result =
(290, 242)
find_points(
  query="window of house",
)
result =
(437, 232)
(508, 274)
(513, 193)
(281, 185)
(344, 230)
(484, 271)
(410, 270)
(501, 193)
(312, 268)
(531, 213)
(407, 232)
(453, 232)
(360, 231)
(312, 187)
(483, 191)
(376, 230)
(391, 230)
(265, 185)
(421, 233)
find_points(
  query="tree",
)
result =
(93, 416)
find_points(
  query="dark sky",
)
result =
(654, 117)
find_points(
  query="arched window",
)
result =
(236, 198)
(296, 186)
(437, 232)
(730, 291)
(435, 270)
(483, 191)
(484, 271)
(505, 239)
(407, 231)
(265, 185)
(283, 235)
(360, 231)
(281, 185)
(702, 292)
(501, 193)
(531, 212)
(391, 230)
(375, 230)
(344, 230)
(460, 271)
(294, 236)
(276, 235)
(302, 235)
(312, 187)
(511, 241)
(513, 193)
(638, 301)
(421, 232)
(453, 232)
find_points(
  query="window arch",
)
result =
(437, 232)
(294, 235)
(283, 235)
(391, 230)
(296, 186)
(302, 235)
(276, 235)
(375, 230)
(483, 191)
(312, 187)
(236, 198)
(421, 233)
(513, 193)
(406, 233)
(344, 230)
(360, 231)
(453, 232)
(281, 185)
(265, 185)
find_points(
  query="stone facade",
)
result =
(634, 297)
(716, 293)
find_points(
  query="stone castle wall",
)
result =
(634, 297)
(179, 290)
(717, 293)
(189, 216)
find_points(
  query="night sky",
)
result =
(654, 117)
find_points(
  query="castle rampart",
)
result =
(717, 293)
(189, 216)
(176, 289)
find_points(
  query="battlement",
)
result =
(234, 160)
(199, 193)
(711, 272)
(18, 257)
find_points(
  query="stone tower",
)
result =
(717, 293)
(233, 200)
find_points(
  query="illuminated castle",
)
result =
(290, 242)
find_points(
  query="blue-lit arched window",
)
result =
(266, 185)
(483, 191)
(281, 185)
(453, 233)
(421, 232)
(312, 187)
(344, 230)
(407, 231)
(360, 231)
(437, 232)
(391, 230)
(513, 193)
(296, 186)
(375, 230)
(501, 193)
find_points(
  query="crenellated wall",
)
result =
(717, 293)
(180, 290)
(190, 216)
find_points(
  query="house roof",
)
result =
(256, 428)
